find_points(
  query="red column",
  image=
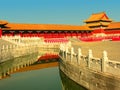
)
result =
(20, 33)
(12, 34)
(0, 32)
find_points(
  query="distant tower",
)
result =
(98, 20)
(2, 25)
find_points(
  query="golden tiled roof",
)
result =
(97, 17)
(3, 22)
(114, 25)
(15, 26)
(98, 24)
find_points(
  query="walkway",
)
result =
(113, 48)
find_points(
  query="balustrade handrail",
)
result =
(10, 51)
(94, 58)
(113, 61)
(92, 62)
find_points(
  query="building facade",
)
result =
(96, 24)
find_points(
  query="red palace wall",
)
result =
(0, 32)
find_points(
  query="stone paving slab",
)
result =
(113, 48)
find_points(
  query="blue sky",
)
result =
(56, 11)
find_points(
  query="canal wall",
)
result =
(22, 52)
(14, 57)
(88, 71)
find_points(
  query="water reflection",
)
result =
(41, 79)
(16, 64)
(39, 76)
(68, 84)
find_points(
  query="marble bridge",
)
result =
(16, 53)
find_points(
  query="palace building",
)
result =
(113, 28)
(43, 30)
(96, 24)
(98, 20)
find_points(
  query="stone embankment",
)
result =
(91, 72)
(17, 52)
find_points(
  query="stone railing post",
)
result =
(3, 47)
(13, 48)
(19, 39)
(66, 51)
(62, 50)
(6, 54)
(10, 46)
(3, 51)
(69, 44)
(0, 53)
(17, 51)
(7, 48)
(79, 55)
(63, 53)
(90, 55)
(10, 50)
(104, 61)
(71, 54)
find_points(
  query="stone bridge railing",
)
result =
(102, 64)
(14, 57)
(22, 52)
(12, 51)
(22, 40)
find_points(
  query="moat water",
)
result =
(43, 79)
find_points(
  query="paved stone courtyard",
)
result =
(113, 48)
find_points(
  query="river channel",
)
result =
(49, 78)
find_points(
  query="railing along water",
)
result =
(102, 64)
